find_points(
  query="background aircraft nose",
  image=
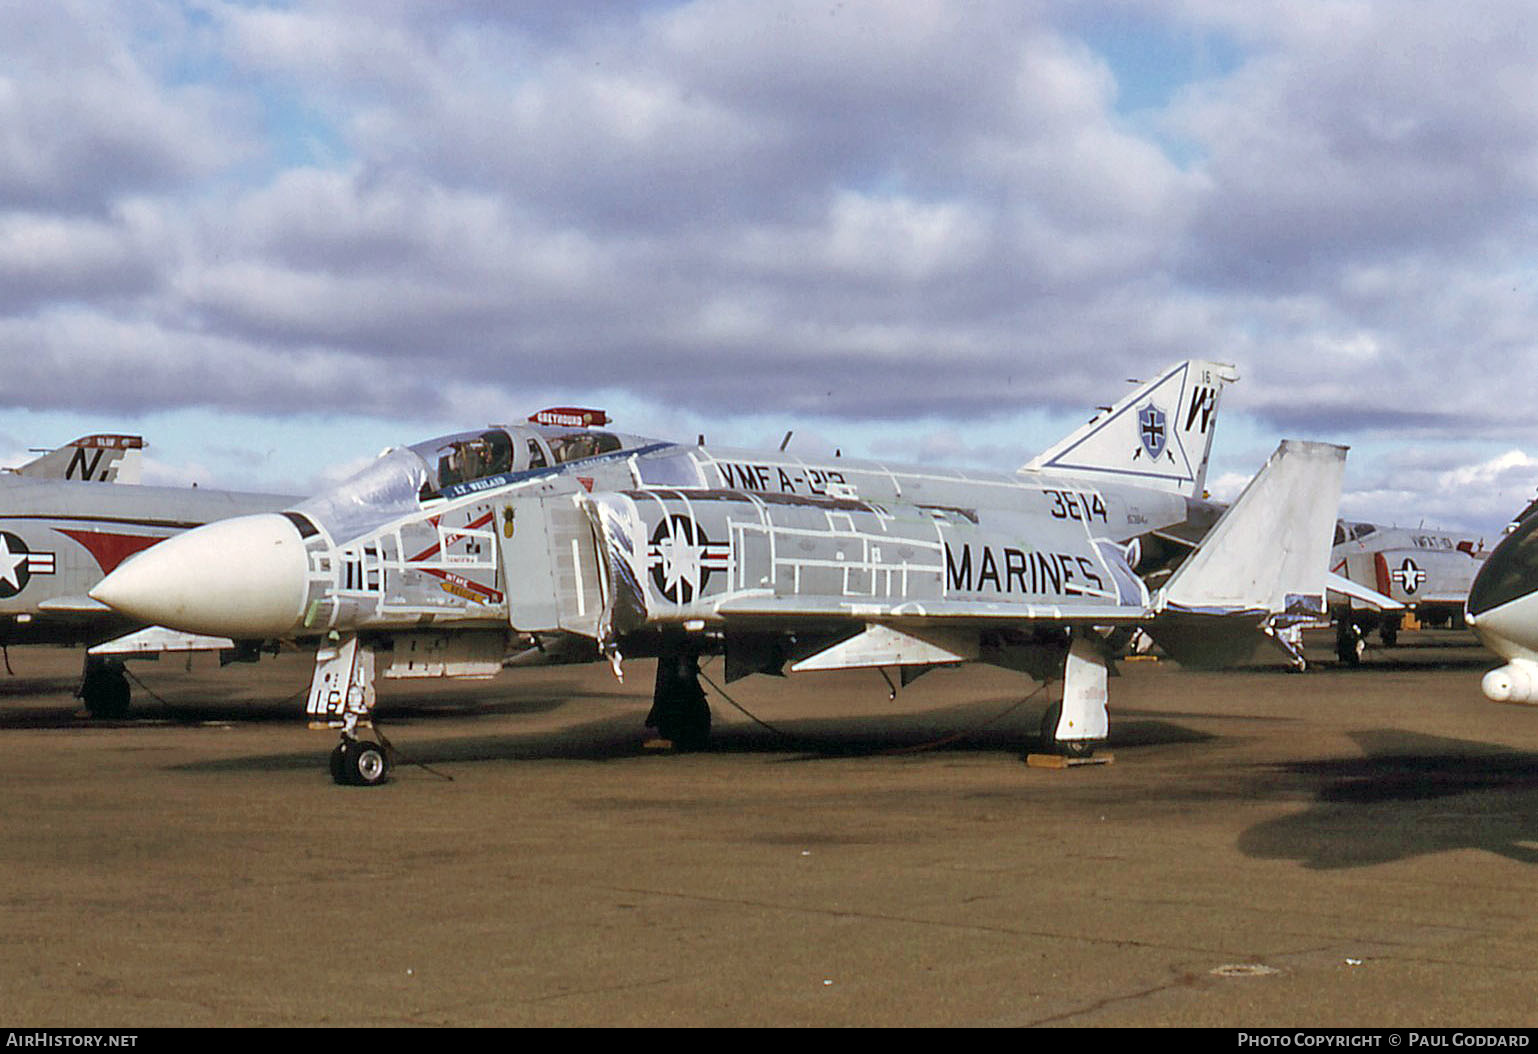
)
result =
(1511, 629)
(243, 577)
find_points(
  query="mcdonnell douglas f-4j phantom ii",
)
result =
(1426, 572)
(569, 540)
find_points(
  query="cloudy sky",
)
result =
(277, 237)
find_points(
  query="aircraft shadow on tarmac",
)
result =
(622, 737)
(15, 687)
(1408, 795)
(181, 706)
(1414, 662)
(1379, 660)
(833, 738)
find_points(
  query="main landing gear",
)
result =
(1068, 748)
(1349, 642)
(1078, 724)
(1388, 629)
(679, 711)
(104, 687)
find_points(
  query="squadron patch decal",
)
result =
(1152, 431)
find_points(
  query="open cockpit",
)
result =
(450, 466)
(466, 457)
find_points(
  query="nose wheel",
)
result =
(360, 763)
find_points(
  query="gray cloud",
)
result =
(855, 211)
(92, 111)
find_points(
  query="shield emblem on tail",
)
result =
(1150, 429)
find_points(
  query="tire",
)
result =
(339, 764)
(1348, 643)
(680, 712)
(368, 764)
(1068, 748)
(360, 763)
(687, 724)
(104, 689)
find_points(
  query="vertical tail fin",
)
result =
(1263, 568)
(1159, 436)
(103, 458)
(1271, 550)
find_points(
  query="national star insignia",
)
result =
(13, 562)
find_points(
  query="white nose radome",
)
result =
(244, 577)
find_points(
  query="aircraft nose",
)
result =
(244, 577)
(1509, 629)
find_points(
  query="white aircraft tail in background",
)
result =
(93, 458)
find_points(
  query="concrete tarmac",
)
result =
(1346, 847)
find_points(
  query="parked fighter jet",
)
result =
(1427, 572)
(1503, 611)
(571, 541)
(60, 535)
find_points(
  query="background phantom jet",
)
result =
(568, 541)
(60, 535)
(1428, 572)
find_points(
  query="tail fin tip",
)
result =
(108, 458)
(1158, 436)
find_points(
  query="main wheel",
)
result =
(1388, 629)
(1069, 748)
(104, 689)
(686, 724)
(680, 713)
(1349, 644)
